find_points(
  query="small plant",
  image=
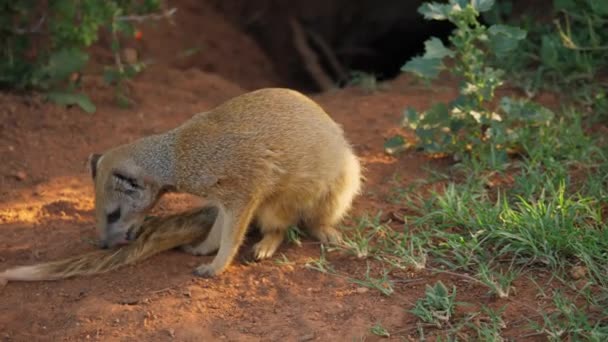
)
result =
(322, 264)
(437, 306)
(498, 282)
(571, 323)
(360, 240)
(44, 44)
(403, 251)
(283, 260)
(294, 235)
(466, 125)
(489, 326)
(366, 81)
(382, 284)
(379, 330)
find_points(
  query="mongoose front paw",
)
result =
(265, 249)
(198, 250)
(205, 271)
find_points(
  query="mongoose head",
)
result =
(123, 196)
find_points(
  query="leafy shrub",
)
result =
(567, 51)
(466, 125)
(44, 42)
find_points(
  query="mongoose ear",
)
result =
(92, 163)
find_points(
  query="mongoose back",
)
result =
(156, 235)
(272, 156)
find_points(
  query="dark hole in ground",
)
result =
(393, 49)
(370, 36)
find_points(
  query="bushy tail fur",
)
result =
(156, 235)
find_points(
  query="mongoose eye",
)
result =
(114, 216)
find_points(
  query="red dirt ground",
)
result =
(46, 213)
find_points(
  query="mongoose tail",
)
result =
(156, 235)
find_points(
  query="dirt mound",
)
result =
(198, 37)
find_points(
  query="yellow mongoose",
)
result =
(156, 235)
(270, 155)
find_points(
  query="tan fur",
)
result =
(272, 156)
(156, 235)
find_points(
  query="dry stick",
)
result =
(141, 18)
(329, 54)
(35, 29)
(310, 58)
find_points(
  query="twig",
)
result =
(309, 57)
(408, 281)
(329, 54)
(467, 277)
(117, 58)
(34, 29)
(166, 289)
(140, 18)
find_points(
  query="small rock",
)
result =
(307, 337)
(171, 332)
(130, 55)
(362, 290)
(11, 148)
(577, 272)
(129, 301)
(20, 175)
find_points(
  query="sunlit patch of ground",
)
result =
(64, 198)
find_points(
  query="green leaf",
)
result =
(125, 27)
(438, 114)
(427, 68)
(549, 51)
(65, 62)
(434, 48)
(525, 110)
(482, 5)
(599, 7)
(566, 5)
(410, 118)
(435, 11)
(395, 144)
(504, 38)
(66, 99)
(111, 75)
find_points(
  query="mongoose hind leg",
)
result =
(273, 218)
(234, 224)
(322, 218)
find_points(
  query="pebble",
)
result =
(20, 175)
(307, 337)
(130, 55)
(362, 290)
(578, 272)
